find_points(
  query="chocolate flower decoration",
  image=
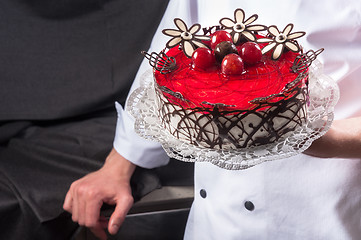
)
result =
(185, 37)
(280, 40)
(240, 27)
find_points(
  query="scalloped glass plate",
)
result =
(323, 94)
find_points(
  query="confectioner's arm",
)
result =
(343, 140)
(111, 183)
(141, 152)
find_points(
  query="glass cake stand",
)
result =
(323, 96)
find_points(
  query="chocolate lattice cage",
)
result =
(216, 126)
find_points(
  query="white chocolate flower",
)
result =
(239, 26)
(280, 40)
(185, 37)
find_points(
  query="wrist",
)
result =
(347, 137)
(343, 140)
(117, 164)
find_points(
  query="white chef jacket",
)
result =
(301, 197)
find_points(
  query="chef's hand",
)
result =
(342, 140)
(111, 185)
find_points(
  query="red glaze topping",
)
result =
(262, 79)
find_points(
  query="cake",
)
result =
(239, 85)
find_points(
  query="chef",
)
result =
(313, 196)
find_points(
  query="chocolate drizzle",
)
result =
(217, 126)
(170, 92)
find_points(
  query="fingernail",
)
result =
(115, 228)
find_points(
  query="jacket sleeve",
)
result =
(141, 152)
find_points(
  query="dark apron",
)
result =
(63, 64)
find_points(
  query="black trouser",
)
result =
(38, 162)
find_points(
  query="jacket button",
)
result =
(249, 205)
(203, 193)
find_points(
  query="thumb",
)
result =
(118, 216)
